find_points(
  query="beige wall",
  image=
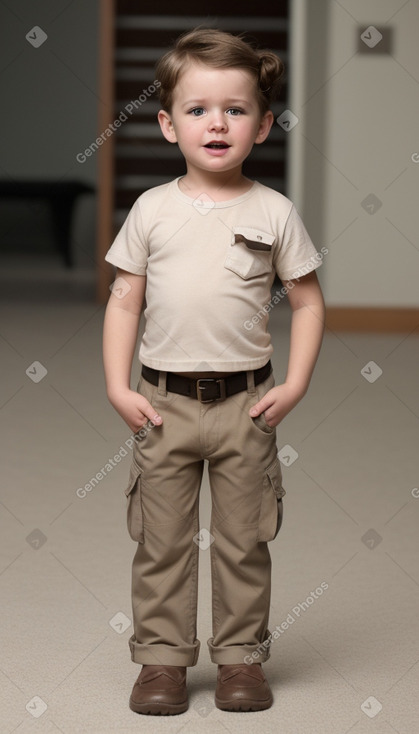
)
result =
(358, 128)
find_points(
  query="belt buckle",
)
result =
(200, 389)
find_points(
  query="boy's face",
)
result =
(213, 106)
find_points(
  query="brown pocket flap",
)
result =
(254, 239)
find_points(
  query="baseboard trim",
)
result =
(372, 319)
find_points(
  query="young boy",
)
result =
(203, 251)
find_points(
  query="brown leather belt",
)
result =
(207, 389)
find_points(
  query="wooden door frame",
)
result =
(106, 153)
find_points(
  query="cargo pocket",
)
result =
(250, 252)
(271, 509)
(135, 521)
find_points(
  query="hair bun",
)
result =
(271, 70)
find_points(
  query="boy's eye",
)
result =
(233, 111)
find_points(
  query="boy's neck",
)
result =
(220, 187)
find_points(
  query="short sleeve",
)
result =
(129, 250)
(296, 255)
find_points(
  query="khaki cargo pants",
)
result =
(162, 513)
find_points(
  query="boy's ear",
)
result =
(166, 124)
(265, 126)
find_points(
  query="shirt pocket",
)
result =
(250, 252)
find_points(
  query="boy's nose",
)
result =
(217, 122)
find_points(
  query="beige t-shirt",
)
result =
(210, 267)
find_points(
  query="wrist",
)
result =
(115, 392)
(297, 389)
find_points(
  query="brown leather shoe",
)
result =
(160, 689)
(242, 687)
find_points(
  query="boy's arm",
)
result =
(307, 326)
(120, 330)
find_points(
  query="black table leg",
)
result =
(62, 209)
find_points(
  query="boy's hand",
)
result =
(276, 404)
(134, 409)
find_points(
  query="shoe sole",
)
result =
(243, 705)
(155, 708)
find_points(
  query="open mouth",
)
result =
(216, 146)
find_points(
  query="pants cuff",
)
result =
(164, 654)
(233, 654)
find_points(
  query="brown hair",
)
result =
(221, 50)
